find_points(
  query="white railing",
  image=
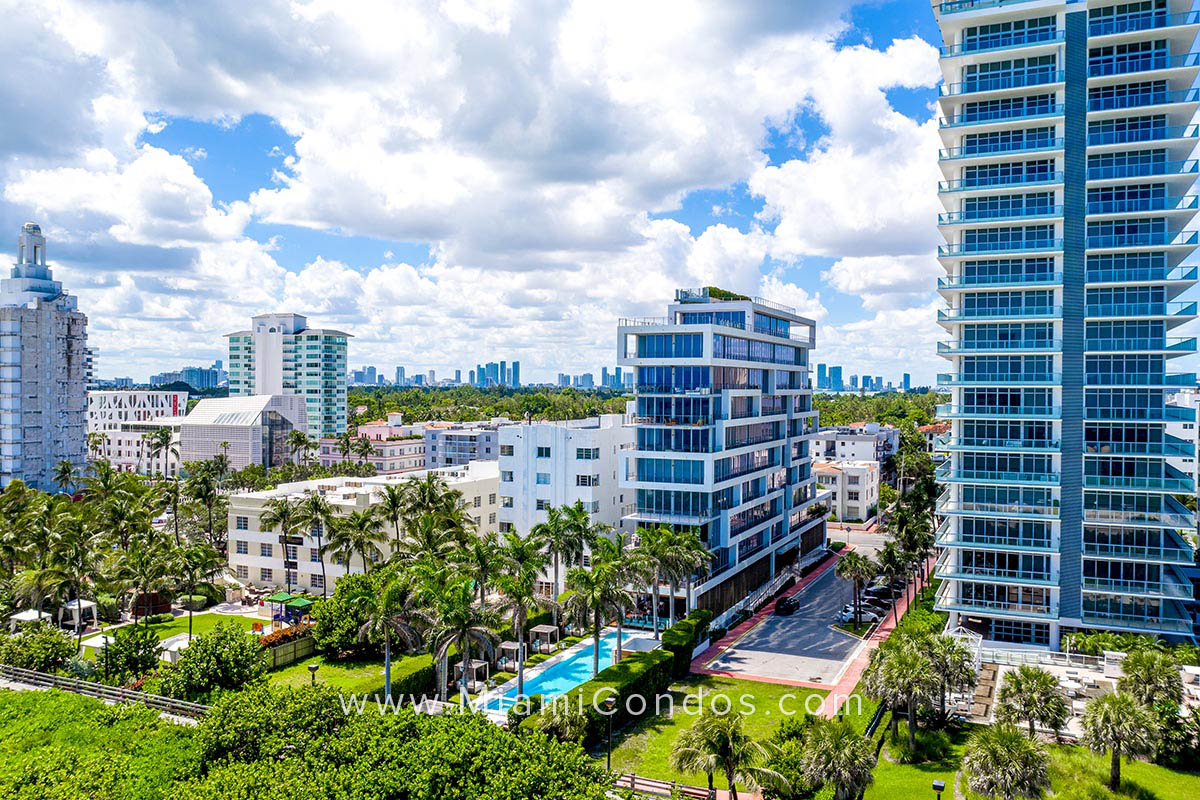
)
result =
(1040, 658)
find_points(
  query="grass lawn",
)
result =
(1078, 774)
(201, 623)
(360, 676)
(644, 747)
(852, 629)
(916, 780)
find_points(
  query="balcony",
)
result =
(994, 281)
(1164, 414)
(1172, 555)
(699, 517)
(1138, 205)
(946, 602)
(1166, 519)
(984, 315)
(947, 411)
(1171, 448)
(1140, 21)
(1143, 99)
(947, 475)
(1135, 622)
(1142, 379)
(1179, 309)
(997, 83)
(1147, 275)
(960, 217)
(1005, 115)
(1007, 148)
(947, 505)
(955, 6)
(1038, 378)
(1142, 62)
(1006, 544)
(1003, 41)
(1151, 239)
(1004, 181)
(1166, 344)
(960, 572)
(1163, 588)
(1152, 484)
(1041, 346)
(975, 443)
(1114, 172)
(1158, 133)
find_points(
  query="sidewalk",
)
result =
(700, 662)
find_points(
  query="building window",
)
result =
(492, 499)
(587, 453)
(587, 480)
(291, 552)
(241, 523)
(506, 476)
(542, 505)
(506, 449)
(242, 548)
(314, 554)
(243, 572)
(543, 452)
(290, 576)
(265, 575)
(506, 527)
(265, 550)
(543, 479)
(478, 501)
(492, 518)
(317, 580)
(506, 502)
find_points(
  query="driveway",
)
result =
(802, 647)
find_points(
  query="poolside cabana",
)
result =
(473, 666)
(28, 615)
(550, 632)
(510, 647)
(74, 613)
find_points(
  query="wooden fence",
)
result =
(112, 694)
(655, 788)
(289, 652)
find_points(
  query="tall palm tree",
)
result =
(393, 507)
(628, 570)
(193, 565)
(318, 516)
(1031, 694)
(1152, 677)
(363, 449)
(891, 563)
(285, 515)
(722, 741)
(692, 752)
(522, 561)
(427, 539)
(345, 444)
(460, 624)
(65, 475)
(144, 567)
(393, 611)
(582, 533)
(595, 596)
(656, 545)
(300, 443)
(857, 568)
(171, 493)
(358, 534)
(96, 441)
(158, 442)
(954, 665)
(480, 560)
(1004, 763)
(1117, 722)
(834, 753)
(685, 555)
(202, 487)
(554, 532)
(910, 672)
(75, 558)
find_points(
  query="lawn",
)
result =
(916, 780)
(359, 676)
(644, 747)
(201, 623)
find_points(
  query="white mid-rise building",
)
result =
(117, 424)
(248, 430)
(280, 354)
(853, 488)
(858, 441)
(265, 559)
(43, 370)
(1184, 430)
(449, 444)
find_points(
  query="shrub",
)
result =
(716, 634)
(682, 638)
(157, 619)
(132, 653)
(79, 667)
(285, 635)
(336, 620)
(932, 745)
(107, 608)
(222, 659)
(837, 546)
(38, 646)
(193, 602)
(519, 712)
(413, 676)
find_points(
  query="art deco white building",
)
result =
(264, 559)
(43, 369)
(280, 354)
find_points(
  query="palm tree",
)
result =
(554, 532)
(317, 515)
(345, 443)
(394, 610)
(1032, 694)
(891, 563)
(159, 442)
(300, 443)
(595, 596)
(96, 441)
(628, 570)
(75, 558)
(194, 564)
(835, 754)
(359, 533)
(954, 665)
(170, 492)
(144, 568)
(685, 555)
(1001, 762)
(1152, 677)
(393, 507)
(460, 624)
(480, 560)
(692, 753)
(656, 545)
(857, 568)
(427, 539)
(722, 742)
(285, 515)
(522, 562)
(65, 475)
(1117, 722)
(914, 682)
(582, 534)
(363, 449)
(201, 486)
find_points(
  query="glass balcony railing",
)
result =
(1172, 447)
(1103, 136)
(993, 575)
(1163, 414)
(1152, 239)
(1001, 115)
(1109, 619)
(1173, 555)
(1108, 172)
(1000, 148)
(1140, 21)
(1165, 588)
(1000, 215)
(972, 281)
(946, 410)
(983, 314)
(1178, 309)
(1165, 344)
(1142, 62)
(954, 379)
(1000, 510)
(1003, 41)
(977, 443)
(1156, 484)
(952, 539)
(1166, 519)
(950, 475)
(1134, 205)
(1040, 346)
(954, 6)
(1012, 80)
(947, 602)
(994, 181)
(1143, 99)
(1147, 275)
(1141, 379)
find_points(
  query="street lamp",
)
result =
(609, 704)
(312, 670)
(939, 787)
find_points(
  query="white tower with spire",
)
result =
(43, 370)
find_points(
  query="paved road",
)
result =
(868, 544)
(802, 647)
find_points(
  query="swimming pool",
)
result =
(561, 677)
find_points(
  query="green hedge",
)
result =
(647, 675)
(193, 602)
(682, 638)
(413, 675)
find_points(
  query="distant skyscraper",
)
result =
(503, 379)
(822, 377)
(370, 377)
(853, 383)
(492, 376)
(399, 376)
(43, 393)
(906, 381)
(458, 376)
(432, 378)
(587, 381)
(835, 379)
(604, 377)
(564, 379)
(471, 377)
(516, 373)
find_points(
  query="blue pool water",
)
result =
(563, 676)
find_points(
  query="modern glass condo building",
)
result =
(723, 426)
(1068, 137)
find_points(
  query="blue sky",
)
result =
(450, 201)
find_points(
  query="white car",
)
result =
(866, 614)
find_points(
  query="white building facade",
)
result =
(866, 441)
(280, 354)
(43, 370)
(248, 430)
(120, 420)
(449, 444)
(853, 488)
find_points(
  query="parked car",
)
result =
(865, 614)
(882, 606)
(786, 606)
(880, 593)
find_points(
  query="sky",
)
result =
(474, 180)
